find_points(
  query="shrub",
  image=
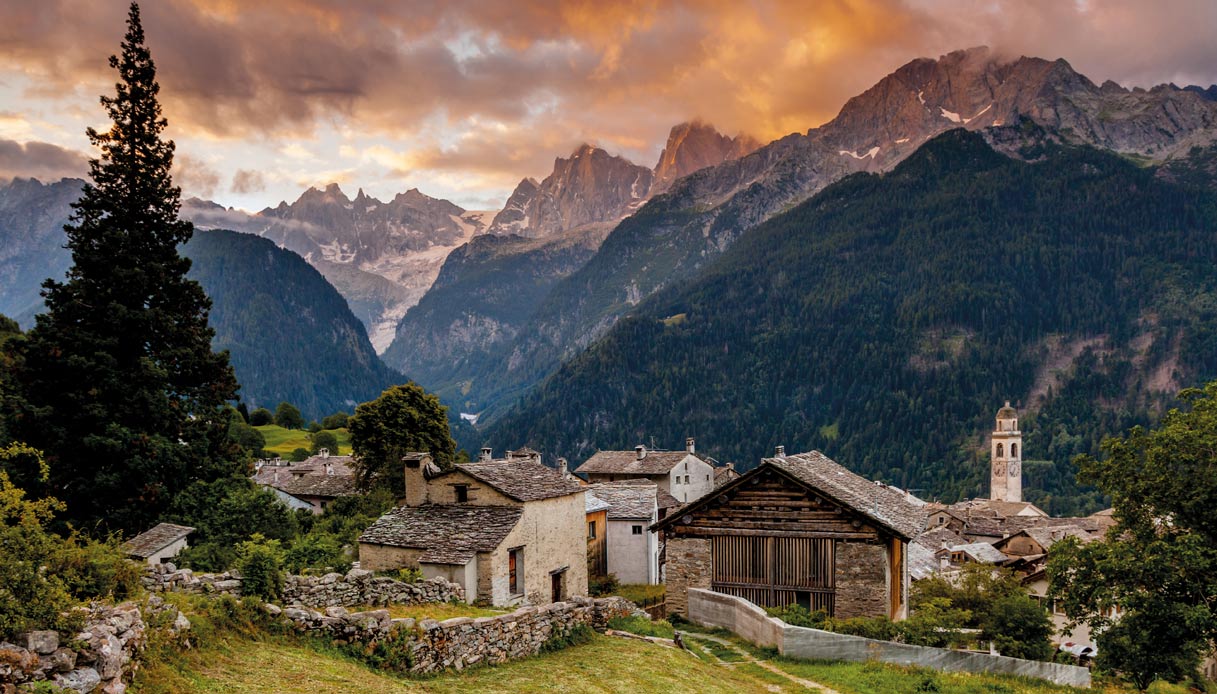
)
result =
(576, 635)
(316, 551)
(878, 628)
(799, 616)
(260, 562)
(603, 585)
(94, 570)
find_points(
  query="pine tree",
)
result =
(119, 384)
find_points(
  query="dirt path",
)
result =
(744, 658)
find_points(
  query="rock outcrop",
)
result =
(693, 146)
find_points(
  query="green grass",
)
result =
(280, 441)
(263, 666)
(882, 678)
(439, 611)
(642, 626)
(641, 593)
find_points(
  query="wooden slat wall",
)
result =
(774, 571)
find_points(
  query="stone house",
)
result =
(312, 484)
(796, 529)
(509, 530)
(632, 548)
(679, 473)
(158, 545)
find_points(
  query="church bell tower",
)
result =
(1006, 481)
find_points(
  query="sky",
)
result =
(461, 99)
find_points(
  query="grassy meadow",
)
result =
(280, 441)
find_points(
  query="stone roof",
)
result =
(594, 504)
(882, 504)
(662, 498)
(1047, 536)
(935, 539)
(982, 552)
(1007, 412)
(154, 540)
(449, 533)
(628, 463)
(311, 477)
(521, 479)
(627, 501)
(921, 562)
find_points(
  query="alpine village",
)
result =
(894, 374)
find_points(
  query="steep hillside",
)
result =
(486, 291)
(886, 318)
(290, 334)
(676, 234)
(32, 215)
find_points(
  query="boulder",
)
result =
(83, 680)
(40, 642)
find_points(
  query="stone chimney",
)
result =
(485, 455)
(780, 452)
(416, 466)
(324, 452)
(564, 468)
(689, 446)
(329, 468)
(641, 451)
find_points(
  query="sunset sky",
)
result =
(462, 99)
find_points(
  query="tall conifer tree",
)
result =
(120, 386)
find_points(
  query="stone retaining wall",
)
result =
(99, 657)
(746, 619)
(460, 642)
(357, 587)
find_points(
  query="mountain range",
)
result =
(675, 234)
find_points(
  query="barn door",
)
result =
(775, 571)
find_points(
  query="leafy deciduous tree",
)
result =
(288, 416)
(261, 417)
(1157, 567)
(404, 418)
(326, 440)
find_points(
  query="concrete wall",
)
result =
(687, 567)
(632, 558)
(553, 533)
(863, 586)
(717, 610)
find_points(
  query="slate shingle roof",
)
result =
(882, 504)
(521, 479)
(982, 552)
(450, 534)
(154, 540)
(628, 463)
(592, 504)
(627, 501)
(310, 478)
(935, 539)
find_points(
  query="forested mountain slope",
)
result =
(884, 320)
(291, 335)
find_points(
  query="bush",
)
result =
(298, 455)
(603, 585)
(316, 551)
(878, 628)
(260, 562)
(261, 417)
(207, 556)
(95, 570)
(1019, 627)
(576, 635)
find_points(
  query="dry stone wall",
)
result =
(100, 658)
(460, 642)
(356, 587)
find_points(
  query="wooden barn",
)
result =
(796, 529)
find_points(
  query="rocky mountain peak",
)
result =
(695, 145)
(589, 186)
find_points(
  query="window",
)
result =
(637, 530)
(515, 570)
(940, 520)
(591, 530)
(707, 478)
(686, 479)
(462, 493)
(678, 479)
(1000, 451)
(1014, 450)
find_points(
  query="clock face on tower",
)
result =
(999, 467)
(1014, 469)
